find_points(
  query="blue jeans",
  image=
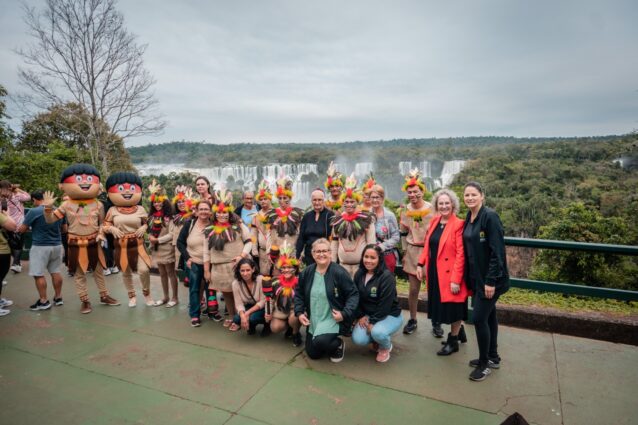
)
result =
(195, 279)
(256, 318)
(380, 333)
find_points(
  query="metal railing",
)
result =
(570, 288)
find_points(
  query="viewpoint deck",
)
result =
(145, 365)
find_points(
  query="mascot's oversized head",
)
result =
(80, 181)
(124, 189)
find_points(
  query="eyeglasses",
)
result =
(321, 251)
(375, 197)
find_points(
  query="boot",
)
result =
(452, 346)
(462, 336)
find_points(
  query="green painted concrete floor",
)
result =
(143, 365)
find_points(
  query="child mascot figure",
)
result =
(84, 215)
(126, 220)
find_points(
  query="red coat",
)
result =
(450, 260)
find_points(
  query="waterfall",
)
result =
(451, 169)
(362, 169)
(405, 167)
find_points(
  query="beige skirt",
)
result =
(222, 276)
(165, 253)
(411, 258)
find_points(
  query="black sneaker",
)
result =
(288, 333)
(265, 330)
(437, 330)
(58, 301)
(40, 305)
(480, 373)
(195, 322)
(296, 339)
(410, 327)
(492, 363)
(216, 316)
(251, 329)
(338, 355)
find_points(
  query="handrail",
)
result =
(573, 288)
(572, 246)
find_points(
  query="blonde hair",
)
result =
(379, 189)
(320, 241)
(450, 194)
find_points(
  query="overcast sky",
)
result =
(330, 71)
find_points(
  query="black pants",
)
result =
(5, 264)
(322, 345)
(108, 251)
(17, 253)
(486, 327)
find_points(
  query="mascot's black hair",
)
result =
(76, 169)
(123, 177)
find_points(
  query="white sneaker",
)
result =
(5, 302)
(114, 270)
(107, 271)
(4, 283)
(4, 312)
(132, 302)
(16, 268)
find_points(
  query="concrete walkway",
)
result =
(145, 365)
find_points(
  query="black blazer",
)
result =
(340, 289)
(485, 259)
(311, 230)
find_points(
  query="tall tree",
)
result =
(82, 53)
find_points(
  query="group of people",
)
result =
(252, 257)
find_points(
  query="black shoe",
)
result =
(265, 331)
(437, 330)
(195, 322)
(58, 301)
(288, 333)
(462, 335)
(215, 316)
(251, 329)
(451, 346)
(410, 327)
(339, 353)
(492, 362)
(480, 373)
(40, 305)
(296, 339)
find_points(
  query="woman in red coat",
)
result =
(444, 263)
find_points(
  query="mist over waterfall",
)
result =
(308, 176)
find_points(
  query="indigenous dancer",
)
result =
(413, 224)
(161, 239)
(366, 189)
(183, 206)
(284, 221)
(126, 221)
(352, 230)
(84, 214)
(226, 242)
(334, 184)
(260, 229)
(281, 314)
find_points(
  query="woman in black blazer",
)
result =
(486, 275)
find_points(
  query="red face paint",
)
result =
(82, 179)
(125, 187)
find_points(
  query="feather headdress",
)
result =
(367, 185)
(351, 190)
(335, 178)
(157, 195)
(263, 191)
(223, 201)
(413, 179)
(286, 259)
(284, 186)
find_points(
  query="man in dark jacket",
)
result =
(326, 301)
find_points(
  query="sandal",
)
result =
(171, 303)
(160, 302)
(234, 327)
(227, 323)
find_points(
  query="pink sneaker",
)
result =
(384, 354)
